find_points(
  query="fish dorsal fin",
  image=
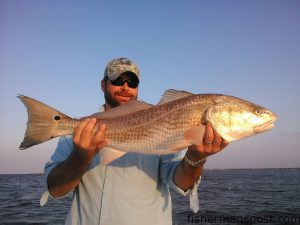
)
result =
(125, 109)
(171, 95)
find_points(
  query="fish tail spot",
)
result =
(56, 118)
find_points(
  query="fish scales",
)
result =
(144, 130)
(68, 125)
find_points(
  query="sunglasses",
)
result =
(132, 83)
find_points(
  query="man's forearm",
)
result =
(66, 176)
(186, 175)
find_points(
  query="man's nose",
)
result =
(125, 86)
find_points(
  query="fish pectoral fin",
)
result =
(195, 134)
(109, 154)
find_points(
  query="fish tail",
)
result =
(43, 122)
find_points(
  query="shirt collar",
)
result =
(102, 108)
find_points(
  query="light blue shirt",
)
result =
(133, 189)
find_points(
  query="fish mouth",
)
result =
(265, 126)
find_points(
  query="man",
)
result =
(133, 189)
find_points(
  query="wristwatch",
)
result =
(194, 164)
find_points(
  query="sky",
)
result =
(56, 52)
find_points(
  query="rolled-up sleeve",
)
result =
(168, 164)
(62, 152)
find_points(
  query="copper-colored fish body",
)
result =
(156, 128)
(170, 126)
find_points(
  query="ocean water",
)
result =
(262, 196)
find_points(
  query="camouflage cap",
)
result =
(118, 66)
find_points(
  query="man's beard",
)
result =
(112, 101)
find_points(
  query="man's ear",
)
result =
(103, 85)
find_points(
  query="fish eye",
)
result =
(257, 111)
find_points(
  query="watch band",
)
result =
(194, 164)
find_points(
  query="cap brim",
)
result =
(114, 76)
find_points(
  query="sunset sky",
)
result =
(56, 51)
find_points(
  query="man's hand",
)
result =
(186, 175)
(212, 143)
(87, 139)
